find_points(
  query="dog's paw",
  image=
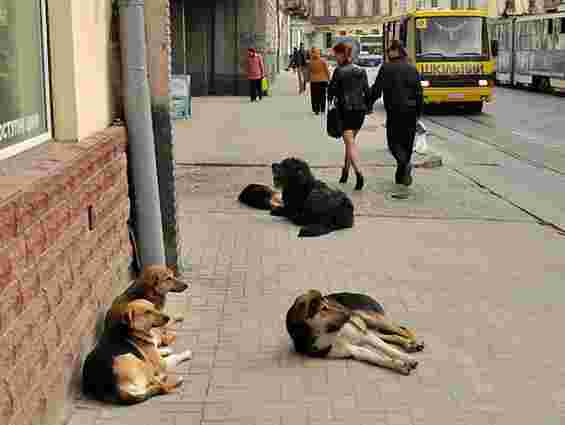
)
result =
(415, 347)
(404, 368)
(419, 346)
(170, 383)
(165, 351)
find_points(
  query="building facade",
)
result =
(64, 206)
(210, 39)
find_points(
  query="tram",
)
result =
(531, 51)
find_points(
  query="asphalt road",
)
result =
(515, 149)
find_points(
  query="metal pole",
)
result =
(278, 36)
(140, 132)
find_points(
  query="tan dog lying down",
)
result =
(153, 285)
(126, 366)
(349, 325)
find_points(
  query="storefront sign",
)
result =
(181, 101)
(20, 127)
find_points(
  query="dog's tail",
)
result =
(256, 196)
(315, 229)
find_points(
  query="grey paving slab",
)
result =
(237, 131)
(486, 297)
(436, 193)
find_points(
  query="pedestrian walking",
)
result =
(255, 73)
(319, 78)
(292, 60)
(299, 61)
(398, 82)
(349, 87)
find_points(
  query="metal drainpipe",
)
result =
(278, 37)
(140, 132)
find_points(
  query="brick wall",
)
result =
(59, 269)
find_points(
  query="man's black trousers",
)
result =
(400, 133)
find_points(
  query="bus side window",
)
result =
(561, 42)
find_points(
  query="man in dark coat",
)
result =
(399, 83)
(299, 60)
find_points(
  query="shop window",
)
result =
(24, 111)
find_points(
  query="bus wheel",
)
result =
(474, 107)
(545, 85)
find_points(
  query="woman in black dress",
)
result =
(350, 89)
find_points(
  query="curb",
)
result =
(434, 161)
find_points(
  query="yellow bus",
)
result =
(452, 52)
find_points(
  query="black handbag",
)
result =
(334, 123)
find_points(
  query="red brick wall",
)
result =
(57, 275)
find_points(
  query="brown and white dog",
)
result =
(153, 285)
(126, 365)
(349, 325)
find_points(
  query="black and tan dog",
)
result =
(126, 365)
(349, 325)
(309, 202)
(153, 285)
(260, 196)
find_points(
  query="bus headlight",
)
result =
(425, 83)
(483, 83)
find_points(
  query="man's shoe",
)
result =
(407, 180)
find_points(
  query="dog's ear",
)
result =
(315, 302)
(127, 317)
(300, 309)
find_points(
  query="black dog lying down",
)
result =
(260, 196)
(309, 202)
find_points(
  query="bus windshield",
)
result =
(452, 37)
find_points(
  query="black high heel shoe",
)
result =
(360, 181)
(344, 175)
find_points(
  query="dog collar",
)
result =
(155, 360)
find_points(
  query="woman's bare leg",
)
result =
(351, 151)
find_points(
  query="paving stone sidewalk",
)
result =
(232, 130)
(480, 282)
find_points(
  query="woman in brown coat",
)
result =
(319, 77)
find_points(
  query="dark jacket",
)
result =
(349, 85)
(299, 58)
(399, 83)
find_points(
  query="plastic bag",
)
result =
(265, 86)
(420, 141)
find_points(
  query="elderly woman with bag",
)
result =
(255, 73)
(349, 89)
